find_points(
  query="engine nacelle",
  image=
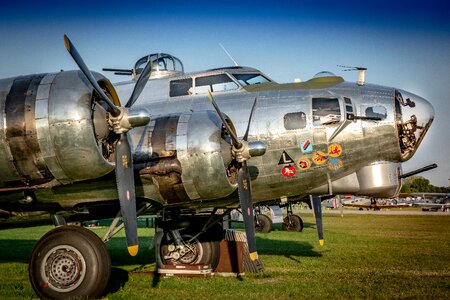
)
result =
(47, 130)
(187, 156)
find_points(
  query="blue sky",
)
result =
(403, 44)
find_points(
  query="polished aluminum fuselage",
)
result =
(363, 142)
(186, 159)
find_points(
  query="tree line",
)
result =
(418, 184)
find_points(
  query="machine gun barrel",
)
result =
(412, 173)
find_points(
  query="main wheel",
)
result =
(203, 250)
(263, 224)
(292, 223)
(69, 262)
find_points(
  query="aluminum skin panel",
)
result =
(199, 150)
(8, 171)
(71, 130)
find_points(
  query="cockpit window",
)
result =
(325, 111)
(250, 79)
(214, 83)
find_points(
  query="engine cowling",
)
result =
(187, 156)
(47, 130)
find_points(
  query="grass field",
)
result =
(365, 256)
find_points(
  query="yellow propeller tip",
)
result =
(254, 256)
(209, 95)
(133, 250)
(66, 42)
(321, 242)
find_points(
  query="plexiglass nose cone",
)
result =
(414, 117)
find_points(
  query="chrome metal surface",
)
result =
(199, 150)
(8, 171)
(68, 140)
(138, 117)
(195, 146)
(257, 148)
(379, 179)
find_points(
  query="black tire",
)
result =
(206, 249)
(263, 224)
(293, 223)
(69, 262)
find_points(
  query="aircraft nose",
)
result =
(414, 116)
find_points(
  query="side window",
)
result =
(376, 112)
(348, 105)
(182, 87)
(295, 120)
(214, 83)
(250, 79)
(325, 111)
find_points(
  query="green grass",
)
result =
(364, 256)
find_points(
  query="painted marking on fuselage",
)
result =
(304, 163)
(306, 146)
(320, 158)
(335, 164)
(288, 171)
(334, 150)
(285, 159)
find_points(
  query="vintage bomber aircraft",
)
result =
(68, 146)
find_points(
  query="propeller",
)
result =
(317, 206)
(242, 152)
(121, 119)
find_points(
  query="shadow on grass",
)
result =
(16, 250)
(287, 248)
(23, 222)
(117, 280)
(278, 226)
(118, 252)
(20, 251)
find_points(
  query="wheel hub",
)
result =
(190, 253)
(64, 268)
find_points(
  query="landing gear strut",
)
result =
(292, 222)
(194, 240)
(263, 223)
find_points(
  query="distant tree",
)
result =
(418, 184)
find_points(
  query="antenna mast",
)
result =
(229, 55)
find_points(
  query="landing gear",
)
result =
(188, 245)
(190, 252)
(263, 224)
(69, 262)
(292, 223)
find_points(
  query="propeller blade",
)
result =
(140, 84)
(85, 70)
(236, 142)
(250, 119)
(317, 206)
(126, 191)
(245, 197)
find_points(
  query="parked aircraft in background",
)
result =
(428, 201)
(374, 203)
